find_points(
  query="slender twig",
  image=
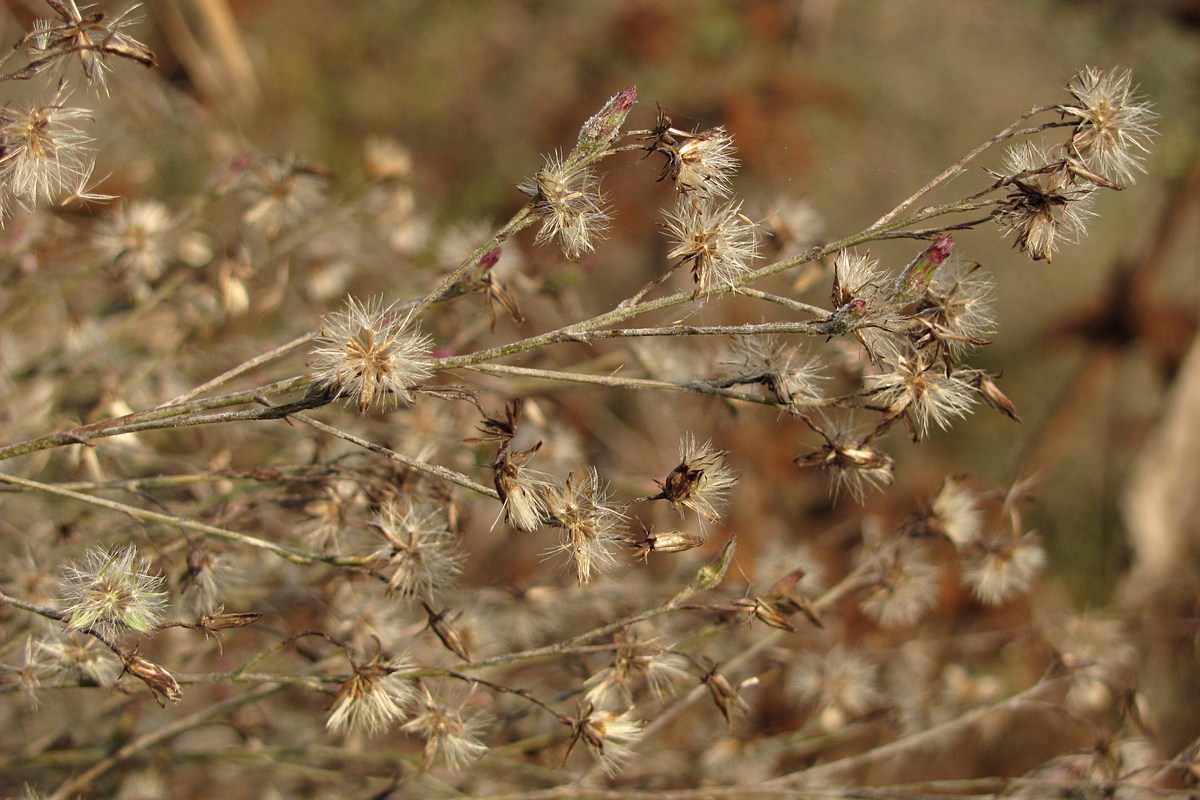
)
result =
(202, 717)
(293, 554)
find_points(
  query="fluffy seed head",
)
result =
(1044, 204)
(716, 240)
(112, 592)
(373, 699)
(571, 205)
(1114, 126)
(591, 524)
(369, 353)
(701, 480)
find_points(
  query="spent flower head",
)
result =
(90, 36)
(770, 360)
(848, 461)
(370, 353)
(1114, 126)
(842, 685)
(451, 735)
(591, 524)
(419, 550)
(718, 242)
(111, 592)
(610, 736)
(701, 480)
(373, 699)
(700, 164)
(567, 197)
(1045, 203)
(922, 390)
(998, 570)
(43, 154)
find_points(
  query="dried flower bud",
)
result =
(219, 620)
(667, 542)
(765, 611)
(446, 632)
(985, 384)
(711, 574)
(724, 695)
(154, 676)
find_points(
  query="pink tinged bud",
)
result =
(916, 276)
(489, 258)
(443, 351)
(600, 131)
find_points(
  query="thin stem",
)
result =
(81, 781)
(786, 302)
(616, 382)
(293, 554)
(244, 367)
(958, 166)
(33, 608)
(521, 220)
(444, 473)
(141, 420)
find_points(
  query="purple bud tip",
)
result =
(490, 258)
(941, 249)
(624, 99)
(443, 351)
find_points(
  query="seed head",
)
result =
(571, 205)
(906, 584)
(923, 390)
(849, 463)
(591, 525)
(42, 153)
(113, 592)
(368, 354)
(419, 550)
(717, 241)
(373, 699)
(1114, 126)
(1045, 203)
(701, 480)
(610, 737)
(699, 164)
(451, 736)
(791, 377)
(997, 571)
(136, 238)
(841, 684)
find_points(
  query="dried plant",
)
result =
(449, 588)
